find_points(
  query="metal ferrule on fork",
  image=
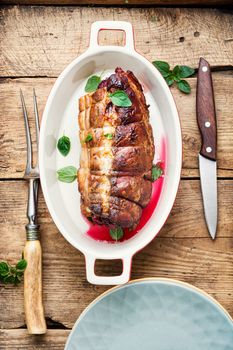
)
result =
(32, 228)
(32, 232)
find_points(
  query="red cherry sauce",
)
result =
(101, 233)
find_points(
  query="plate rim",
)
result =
(147, 279)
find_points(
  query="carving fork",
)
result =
(34, 312)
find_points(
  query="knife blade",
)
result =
(206, 119)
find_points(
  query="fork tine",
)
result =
(36, 118)
(28, 136)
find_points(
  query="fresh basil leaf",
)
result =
(109, 136)
(63, 145)
(92, 83)
(184, 86)
(4, 268)
(176, 71)
(12, 274)
(9, 279)
(177, 79)
(20, 272)
(88, 138)
(67, 174)
(120, 98)
(163, 67)
(169, 80)
(176, 75)
(116, 233)
(13, 270)
(90, 219)
(17, 279)
(21, 265)
(186, 71)
(156, 172)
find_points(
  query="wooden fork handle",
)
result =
(33, 305)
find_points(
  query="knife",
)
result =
(206, 119)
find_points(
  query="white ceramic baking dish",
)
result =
(60, 115)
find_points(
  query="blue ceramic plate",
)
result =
(153, 314)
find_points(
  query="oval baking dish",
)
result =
(60, 114)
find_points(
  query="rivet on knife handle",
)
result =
(206, 115)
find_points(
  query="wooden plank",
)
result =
(13, 145)
(13, 203)
(41, 41)
(211, 3)
(183, 251)
(18, 339)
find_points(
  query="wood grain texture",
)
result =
(211, 3)
(18, 339)
(13, 146)
(33, 303)
(42, 41)
(183, 250)
(205, 107)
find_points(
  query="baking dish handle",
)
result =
(108, 280)
(112, 25)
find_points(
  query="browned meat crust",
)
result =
(133, 188)
(111, 178)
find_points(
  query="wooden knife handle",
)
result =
(206, 115)
(33, 305)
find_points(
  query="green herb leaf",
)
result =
(176, 79)
(17, 279)
(163, 67)
(4, 268)
(109, 136)
(184, 86)
(88, 138)
(186, 71)
(156, 172)
(92, 83)
(116, 233)
(63, 145)
(182, 72)
(12, 274)
(9, 279)
(120, 98)
(176, 75)
(20, 272)
(176, 71)
(169, 80)
(21, 265)
(67, 174)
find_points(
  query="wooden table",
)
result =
(37, 42)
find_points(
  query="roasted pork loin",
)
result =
(116, 162)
